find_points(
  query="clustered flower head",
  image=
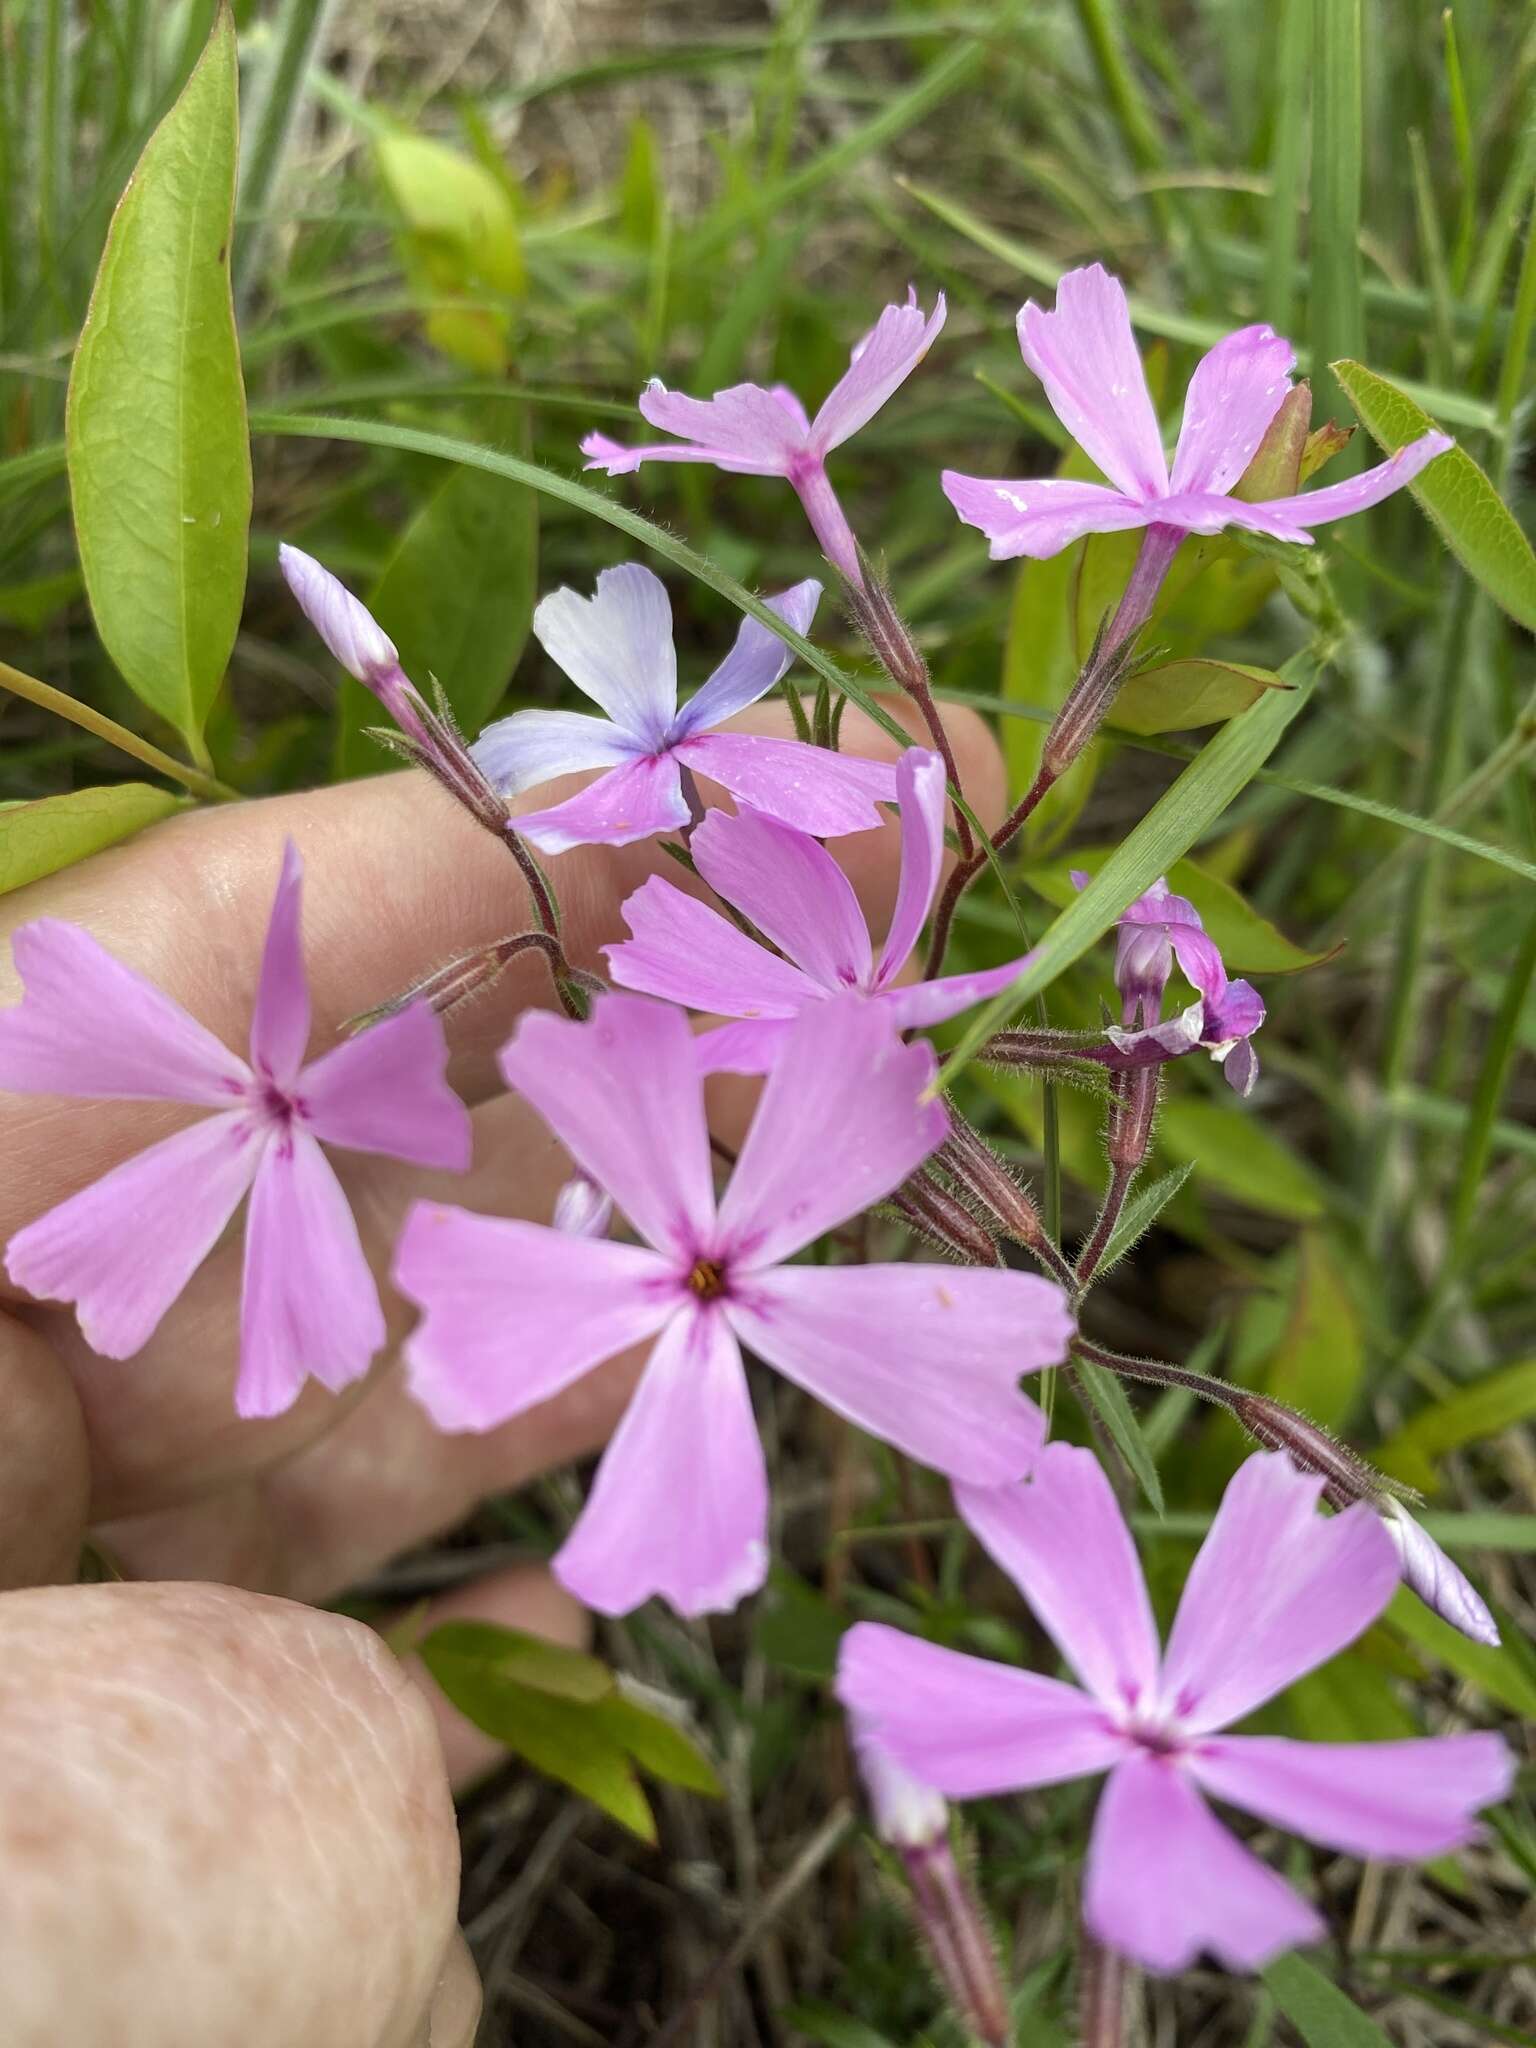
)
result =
(654, 1257)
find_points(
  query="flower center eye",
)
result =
(707, 1280)
(277, 1107)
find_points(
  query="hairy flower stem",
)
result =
(1103, 1981)
(897, 652)
(952, 1924)
(1075, 723)
(1155, 1373)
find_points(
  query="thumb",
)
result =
(223, 1819)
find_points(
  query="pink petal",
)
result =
(1166, 1882)
(387, 1091)
(88, 1025)
(1085, 355)
(1062, 1539)
(931, 1002)
(123, 1249)
(920, 792)
(350, 631)
(1237, 389)
(1210, 512)
(513, 1313)
(280, 1023)
(622, 1094)
(965, 1726)
(746, 1048)
(622, 806)
(1358, 493)
(792, 889)
(925, 1357)
(782, 395)
(309, 1305)
(745, 428)
(838, 1127)
(1276, 1590)
(881, 363)
(1039, 516)
(687, 953)
(616, 647)
(531, 747)
(1402, 1799)
(812, 788)
(679, 1506)
(617, 460)
(755, 663)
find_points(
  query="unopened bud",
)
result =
(1275, 470)
(945, 1221)
(972, 1164)
(914, 1820)
(459, 981)
(1443, 1587)
(1132, 1113)
(1278, 1428)
(582, 1208)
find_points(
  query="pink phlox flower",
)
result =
(124, 1249)
(926, 1357)
(756, 431)
(1085, 355)
(792, 890)
(1276, 1590)
(616, 647)
(1156, 930)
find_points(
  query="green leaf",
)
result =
(1491, 1405)
(40, 838)
(155, 431)
(796, 1629)
(457, 599)
(642, 192)
(455, 209)
(1140, 1213)
(658, 1745)
(1470, 516)
(1225, 765)
(1177, 695)
(1507, 1673)
(1349, 1699)
(472, 1660)
(1238, 1154)
(1318, 1363)
(1109, 1397)
(1249, 943)
(1317, 2009)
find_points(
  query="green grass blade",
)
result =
(1337, 316)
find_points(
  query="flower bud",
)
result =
(972, 1164)
(945, 1221)
(914, 1820)
(582, 1208)
(1441, 1585)
(351, 632)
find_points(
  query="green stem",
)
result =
(49, 699)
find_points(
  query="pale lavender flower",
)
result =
(753, 431)
(123, 1249)
(1156, 930)
(1442, 1585)
(616, 647)
(1275, 1591)
(926, 1357)
(1085, 355)
(795, 893)
(582, 1208)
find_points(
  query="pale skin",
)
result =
(225, 1815)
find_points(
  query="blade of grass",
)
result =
(287, 48)
(1336, 322)
(1283, 221)
(1461, 142)
(1432, 252)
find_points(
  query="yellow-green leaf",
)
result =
(1177, 695)
(155, 429)
(455, 208)
(1236, 1153)
(1248, 943)
(471, 1660)
(658, 1745)
(40, 838)
(1470, 516)
(1499, 1401)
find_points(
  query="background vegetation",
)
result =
(465, 227)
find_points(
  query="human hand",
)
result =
(206, 1687)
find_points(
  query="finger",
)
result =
(44, 1481)
(222, 1819)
